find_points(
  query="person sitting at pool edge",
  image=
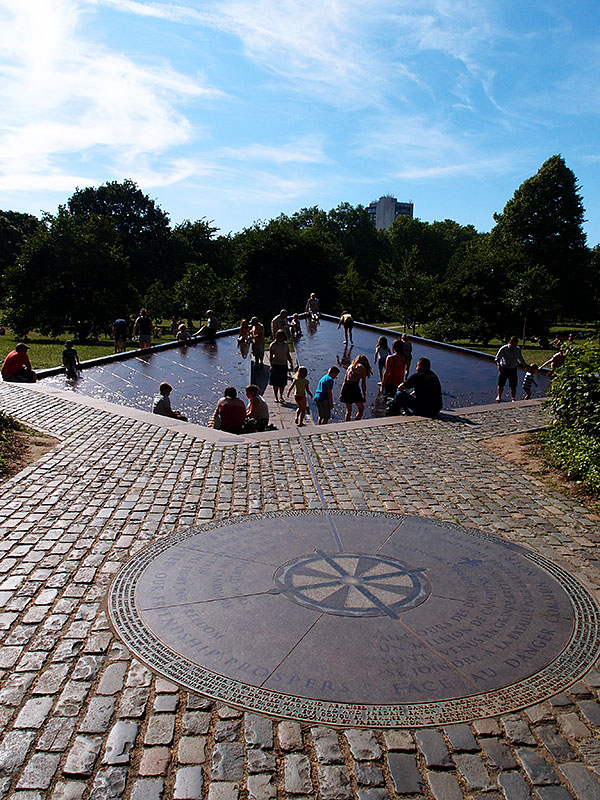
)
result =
(257, 414)
(230, 413)
(426, 399)
(162, 403)
(17, 368)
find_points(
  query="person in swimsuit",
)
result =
(300, 384)
(354, 388)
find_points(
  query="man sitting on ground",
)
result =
(230, 413)
(162, 403)
(17, 366)
(426, 400)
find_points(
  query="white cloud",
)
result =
(61, 94)
(303, 151)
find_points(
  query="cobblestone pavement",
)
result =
(81, 718)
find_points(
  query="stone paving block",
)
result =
(517, 729)
(461, 739)
(226, 790)
(98, 715)
(188, 784)
(591, 711)
(195, 702)
(558, 747)
(487, 727)
(155, 760)
(87, 668)
(68, 790)
(34, 712)
(368, 774)
(228, 712)
(405, 773)
(133, 703)
(147, 789)
(473, 771)
(82, 755)
(260, 760)
(363, 744)
(191, 750)
(39, 771)
(13, 750)
(112, 678)
(514, 786)
(537, 768)
(194, 723)
(160, 729)
(553, 793)
(109, 784)
(262, 786)
(228, 762)
(120, 742)
(497, 753)
(258, 730)
(572, 727)
(326, 745)
(228, 730)
(334, 782)
(165, 703)
(71, 699)
(444, 786)
(373, 794)
(584, 783)
(399, 740)
(57, 734)
(431, 743)
(289, 735)
(297, 778)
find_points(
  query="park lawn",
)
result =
(46, 351)
(532, 353)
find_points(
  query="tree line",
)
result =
(110, 250)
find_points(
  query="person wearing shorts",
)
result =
(324, 395)
(508, 358)
(348, 323)
(143, 329)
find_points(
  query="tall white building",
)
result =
(384, 211)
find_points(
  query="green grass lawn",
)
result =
(532, 353)
(47, 352)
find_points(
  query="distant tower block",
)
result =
(384, 211)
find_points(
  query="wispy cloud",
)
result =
(63, 94)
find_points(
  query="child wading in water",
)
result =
(529, 379)
(382, 351)
(300, 384)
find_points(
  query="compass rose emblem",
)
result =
(352, 584)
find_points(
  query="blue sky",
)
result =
(240, 110)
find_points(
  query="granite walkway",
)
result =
(81, 718)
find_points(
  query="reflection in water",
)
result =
(199, 372)
(467, 378)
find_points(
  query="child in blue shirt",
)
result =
(324, 395)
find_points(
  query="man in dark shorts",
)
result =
(508, 359)
(120, 334)
(426, 400)
(17, 368)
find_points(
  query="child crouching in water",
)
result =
(528, 380)
(300, 384)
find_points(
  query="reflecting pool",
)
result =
(200, 371)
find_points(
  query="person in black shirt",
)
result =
(426, 399)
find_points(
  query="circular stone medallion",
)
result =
(355, 618)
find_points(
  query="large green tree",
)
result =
(15, 228)
(142, 228)
(544, 219)
(71, 274)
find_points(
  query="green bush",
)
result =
(7, 425)
(575, 391)
(573, 442)
(577, 453)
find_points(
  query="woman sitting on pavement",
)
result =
(257, 413)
